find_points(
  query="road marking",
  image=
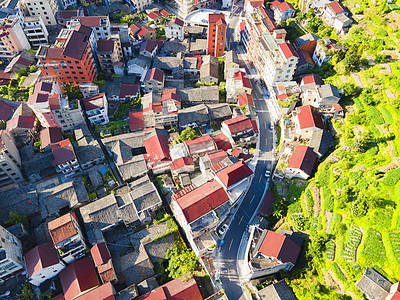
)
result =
(252, 199)
(260, 179)
(230, 245)
(241, 220)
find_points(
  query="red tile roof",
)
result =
(54, 101)
(165, 13)
(134, 28)
(102, 292)
(336, 7)
(266, 205)
(245, 99)
(243, 78)
(41, 257)
(288, 50)
(217, 157)
(50, 119)
(6, 110)
(234, 173)
(39, 97)
(100, 254)
(177, 21)
(155, 74)
(91, 21)
(21, 122)
(337, 107)
(128, 89)
(44, 87)
(78, 277)
(279, 246)
(303, 158)
(222, 142)
(4, 75)
(202, 200)
(236, 152)
(181, 162)
(144, 30)
(238, 124)
(153, 15)
(94, 102)
(104, 45)
(214, 18)
(396, 295)
(136, 120)
(282, 6)
(201, 145)
(170, 96)
(312, 78)
(309, 118)
(157, 148)
(50, 135)
(62, 228)
(62, 152)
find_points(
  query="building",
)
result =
(148, 48)
(21, 125)
(46, 9)
(77, 278)
(71, 59)
(307, 121)
(282, 11)
(35, 30)
(67, 237)
(96, 108)
(65, 4)
(302, 162)
(65, 159)
(99, 24)
(239, 130)
(200, 146)
(321, 142)
(103, 263)
(237, 83)
(157, 153)
(104, 291)
(394, 293)
(210, 160)
(42, 263)
(374, 285)
(108, 55)
(174, 29)
(140, 5)
(128, 92)
(200, 95)
(324, 51)
(209, 69)
(332, 11)
(10, 161)
(153, 81)
(11, 255)
(87, 148)
(13, 39)
(231, 62)
(216, 34)
(147, 33)
(277, 291)
(230, 176)
(50, 136)
(182, 165)
(63, 16)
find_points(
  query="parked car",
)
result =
(222, 230)
(267, 173)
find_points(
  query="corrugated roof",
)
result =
(234, 173)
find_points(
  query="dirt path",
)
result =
(328, 217)
(315, 190)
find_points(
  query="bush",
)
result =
(391, 177)
(181, 260)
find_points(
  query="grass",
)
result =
(372, 250)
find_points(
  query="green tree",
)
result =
(16, 218)
(3, 124)
(72, 92)
(180, 260)
(33, 69)
(27, 293)
(188, 134)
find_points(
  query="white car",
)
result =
(267, 173)
(223, 229)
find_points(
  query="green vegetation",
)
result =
(13, 90)
(205, 83)
(16, 218)
(181, 260)
(188, 134)
(72, 92)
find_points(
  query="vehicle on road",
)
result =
(267, 173)
(223, 229)
(271, 126)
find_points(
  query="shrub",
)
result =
(391, 177)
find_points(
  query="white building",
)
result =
(96, 108)
(282, 11)
(174, 30)
(36, 31)
(13, 39)
(10, 161)
(47, 9)
(140, 5)
(68, 3)
(100, 25)
(11, 256)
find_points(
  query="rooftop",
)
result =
(238, 124)
(62, 228)
(41, 257)
(308, 117)
(63, 152)
(303, 158)
(234, 173)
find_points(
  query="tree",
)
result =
(27, 293)
(188, 134)
(72, 92)
(180, 260)
(16, 218)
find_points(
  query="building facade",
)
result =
(35, 30)
(216, 34)
(13, 39)
(11, 255)
(46, 9)
(10, 161)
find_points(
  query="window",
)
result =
(58, 73)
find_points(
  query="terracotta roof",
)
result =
(202, 200)
(213, 18)
(62, 152)
(154, 74)
(136, 120)
(238, 124)
(134, 28)
(6, 110)
(50, 135)
(234, 173)
(44, 87)
(50, 119)
(222, 142)
(157, 147)
(40, 257)
(337, 107)
(243, 78)
(91, 21)
(309, 117)
(76, 45)
(54, 53)
(39, 97)
(165, 13)
(94, 102)
(4, 75)
(54, 101)
(266, 206)
(78, 277)
(100, 254)
(153, 15)
(144, 30)
(62, 228)
(336, 7)
(312, 78)
(217, 157)
(201, 145)
(170, 96)
(303, 158)
(288, 50)
(181, 162)
(102, 292)
(128, 89)
(177, 21)
(282, 6)
(396, 295)
(279, 246)
(245, 99)
(104, 45)
(22, 122)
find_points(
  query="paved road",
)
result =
(229, 251)
(236, 10)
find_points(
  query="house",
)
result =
(63, 16)
(35, 31)
(140, 5)
(306, 42)
(157, 154)
(42, 263)
(245, 99)
(23, 60)
(87, 148)
(133, 30)
(182, 165)
(174, 29)
(103, 292)
(324, 50)
(103, 263)
(239, 130)
(65, 160)
(302, 162)
(231, 62)
(11, 254)
(282, 11)
(50, 136)
(153, 81)
(202, 94)
(342, 23)
(331, 11)
(147, 33)
(67, 237)
(237, 83)
(307, 120)
(96, 108)
(277, 291)
(195, 210)
(211, 159)
(171, 65)
(231, 176)
(138, 66)
(21, 125)
(78, 278)
(155, 16)
(136, 120)
(6, 110)
(200, 146)
(209, 69)
(148, 48)
(175, 289)
(374, 285)
(309, 86)
(194, 116)
(108, 55)
(337, 111)
(321, 142)
(274, 252)
(305, 61)
(128, 92)
(219, 112)
(321, 96)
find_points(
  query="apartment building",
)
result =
(174, 30)
(153, 81)
(11, 255)
(140, 5)
(10, 161)
(71, 59)
(216, 34)
(47, 9)
(12, 39)
(65, 160)
(35, 31)
(108, 55)
(273, 57)
(99, 24)
(69, 3)
(96, 108)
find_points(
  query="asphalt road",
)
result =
(230, 30)
(229, 250)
